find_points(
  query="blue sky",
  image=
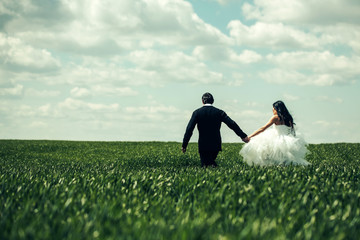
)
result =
(134, 70)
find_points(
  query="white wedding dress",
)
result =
(277, 145)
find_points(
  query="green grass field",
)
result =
(150, 190)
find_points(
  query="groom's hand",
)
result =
(183, 150)
(246, 139)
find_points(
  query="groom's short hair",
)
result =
(207, 98)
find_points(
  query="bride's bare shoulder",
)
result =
(275, 119)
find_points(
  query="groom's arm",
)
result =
(189, 131)
(233, 125)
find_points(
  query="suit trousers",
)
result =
(208, 158)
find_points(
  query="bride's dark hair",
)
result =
(283, 113)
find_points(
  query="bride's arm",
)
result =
(272, 120)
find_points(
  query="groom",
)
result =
(208, 120)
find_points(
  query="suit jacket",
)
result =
(208, 120)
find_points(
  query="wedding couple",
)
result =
(266, 146)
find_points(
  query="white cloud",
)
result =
(326, 124)
(103, 107)
(329, 99)
(266, 11)
(317, 62)
(31, 92)
(222, 2)
(15, 52)
(251, 104)
(4, 105)
(22, 110)
(80, 92)
(45, 110)
(99, 90)
(157, 112)
(114, 91)
(212, 53)
(290, 97)
(250, 114)
(247, 56)
(340, 34)
(5, 79)
(274, 35)
(308, 23)
(25, 112)
(236, 80)
(226, 55)
(96, 72)
(141, 68)
(107, 27)
(38, 124)
(151, 109)
(174, 66)
(282, 76)
(323, 68)
(304, 11)
(13, 91)
(75, 105)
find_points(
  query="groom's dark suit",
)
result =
(208, 120)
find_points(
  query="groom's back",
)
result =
(208, 123)
(209, 118)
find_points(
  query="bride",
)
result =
(278, 145)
